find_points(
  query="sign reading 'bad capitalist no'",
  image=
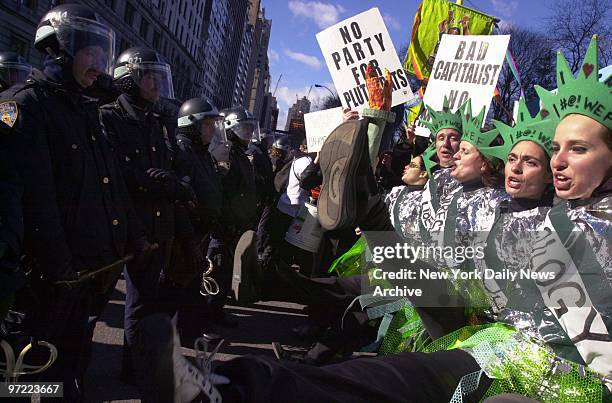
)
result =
(466, 67)
(349, 46)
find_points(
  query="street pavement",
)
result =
(260, 324)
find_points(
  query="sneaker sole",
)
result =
(339, 159)
(245, 257)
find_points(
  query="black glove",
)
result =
(173, 186)
(142, 249)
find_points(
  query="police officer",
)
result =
(263, 170)
(199, 124)
(239, 203)
(11, 224)
(77, 212)
(13, 69)
(140, 140)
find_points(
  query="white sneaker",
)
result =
(189, 380)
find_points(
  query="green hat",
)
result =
(538, 129)
(584, 95)
(444, 119)
(429, 160)
(473, 135)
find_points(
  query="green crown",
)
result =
(472, 134)
(538, 129)
(444, 119)
(584, 95)
(429, 158)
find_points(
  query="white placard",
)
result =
(349, 46)
(466, 67)
(319, 125)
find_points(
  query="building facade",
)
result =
(296, 112)
(209, 44)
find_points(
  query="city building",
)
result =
(19, 19)
(296, 112)
(216, 48)
(231, 52)
(259, 85)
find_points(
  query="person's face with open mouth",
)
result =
(527, 171)
(582, 158)
(447, 144)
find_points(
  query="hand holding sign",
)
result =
(379, 93)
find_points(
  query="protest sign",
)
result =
(466, 67)
(349, 46)
(319, 125)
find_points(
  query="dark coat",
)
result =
(141, 141)
(195, 165)
(77, 211)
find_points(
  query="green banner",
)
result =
(433, 19)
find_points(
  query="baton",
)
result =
(85, 275)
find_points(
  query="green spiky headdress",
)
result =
(538, 129)
(473, 135)
(429, 158)
(444, 119)
(584, 95)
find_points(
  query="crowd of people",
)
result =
(105, 178)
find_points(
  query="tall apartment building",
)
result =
(19, 19)
(210, 44)
(217, 20)
(231, 52)
(297, 111)
(173, 28)
(259, 66)
(242, 69)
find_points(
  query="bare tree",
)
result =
(572, 23)
(535, 62)
(328, 102)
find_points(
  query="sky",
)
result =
(294, 52)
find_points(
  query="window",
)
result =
(129, 14)
(144, 28)
(156, 40)
(31, 4)
(123, 45)
(20, 46)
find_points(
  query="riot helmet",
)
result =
(282, 143)
(199, 118)
(68, 29)
(141, 71)
(241, 123)
(13, 69)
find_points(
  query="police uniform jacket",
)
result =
(239, 191)
(77, 211)
(195, 165)
(141, 141)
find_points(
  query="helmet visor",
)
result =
(13, 73)
(219, 146)
(87, 41)
(213, 130)
(154, 79)
(246, 129)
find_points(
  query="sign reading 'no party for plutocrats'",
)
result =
(349, 46)
(466, 67)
